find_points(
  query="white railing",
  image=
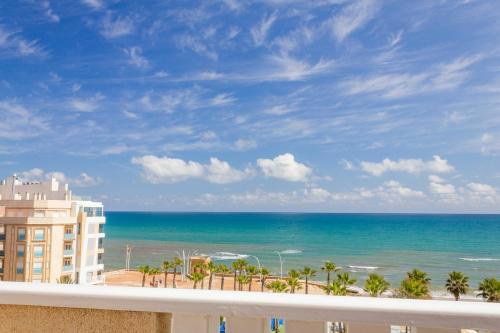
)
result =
(198, 311)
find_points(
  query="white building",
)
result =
(47, 234)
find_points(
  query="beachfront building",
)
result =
(47, 234)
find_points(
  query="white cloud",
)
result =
(195, 44)
(49, 12)
(220, 172)
(489, 144)
(352, 17)
(259, 32)
(287, 68)
(279, 110)
(243, 145)
(95, 4)
(482, 189)
(441, 188)
(12, 44)
(114, 28)
(413, 166)
(223, 100)
(436, 179)
(37, 174)
(444, 77)
(346, 164)
(19, 122)
(136, 58)
(87, 104)
(159, 170)
(285, 167)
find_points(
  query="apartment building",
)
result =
(47, 234)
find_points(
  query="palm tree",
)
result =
(196, 277)
(489, 290)
(346, 279)
(65, 279)
(238, 266)
(329, 267)
(223, 270)
(176, 262)
(201, 268)
(144, 269)
(251, 271)
(308, 272)
(277, 286)
(457, 284)
(336, 288)
(212, 268)
(165, 266)
(419, 275)
(375, 285)
(242, 281)
(411, 288)
(293, 280)
(264, 273)
(153, 271)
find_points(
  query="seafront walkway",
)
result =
(51, 308)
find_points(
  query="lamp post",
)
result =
(258, 264)
(281, 264)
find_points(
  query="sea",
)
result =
(387, 244)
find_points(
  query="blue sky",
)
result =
(270, 105)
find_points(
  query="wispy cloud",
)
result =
(136, 58)
(442, 77)
(19, 122)
(112, 27)
(12, 44)
(352, 17)
(413, 166)
(85, 104)
(260, 31)
(95, 4)
(49, 12)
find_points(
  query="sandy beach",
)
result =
(134, 279)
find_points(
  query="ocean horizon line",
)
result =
(304, 213)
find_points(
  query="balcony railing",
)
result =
(68, 253)
(198, 311)
(69, 236)
(67, 268)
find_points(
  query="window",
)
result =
(20, 266)
(68, 246)
(39, 213)
(68, 231)
(21, 234)
(37, 268)
(93, 211)
(38, 251)
(67, 261)
(39, 234)
(20, 250)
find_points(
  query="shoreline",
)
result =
(133, 278)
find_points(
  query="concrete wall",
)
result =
(39, 319)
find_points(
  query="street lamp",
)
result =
(258, 264)
(281, 264)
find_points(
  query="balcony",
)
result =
(67, 268)
(62, 307)
(68, 253)
(69, 236)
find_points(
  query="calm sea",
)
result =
(389, 244)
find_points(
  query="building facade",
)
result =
(47, 234)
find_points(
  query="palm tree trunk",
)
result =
(210, 281)
(307, 285)
(262, 282)
(250, 284)
(328, 279)
(143, 279)
(234, 282)
(173, 282)
(222, 282)
(194, 285)
(154, 280)
(203, 282)
(165, 282)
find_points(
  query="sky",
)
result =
(265, 105)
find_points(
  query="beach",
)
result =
(133, 278)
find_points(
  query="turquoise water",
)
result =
(389, 244)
